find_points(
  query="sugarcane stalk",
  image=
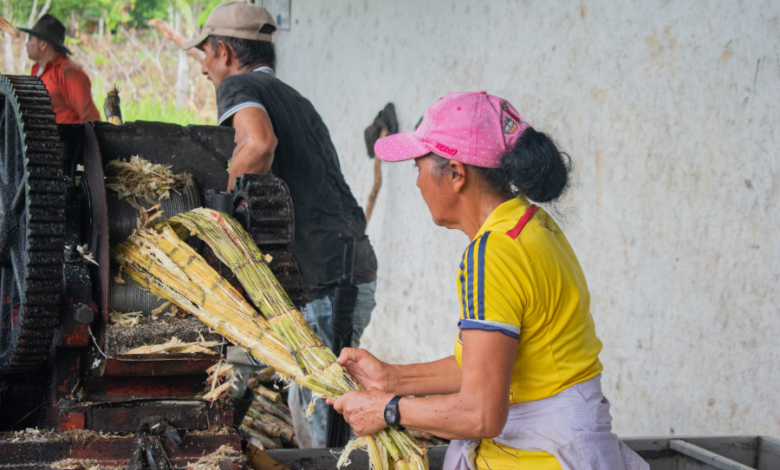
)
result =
(266, 374)
(265, 405)
(112, 108)
(268, 394)
(275, 429)
(271, 431)
(275, 421)
(267, 442)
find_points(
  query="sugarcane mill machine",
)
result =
(63, 367)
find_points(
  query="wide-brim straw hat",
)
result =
(50, 30)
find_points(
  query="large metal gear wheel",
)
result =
(265, 209)
(32, 224)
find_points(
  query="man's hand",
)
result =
(369, 371)
(255, 143)
(364, 410)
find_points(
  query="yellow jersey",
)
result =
(531, 288)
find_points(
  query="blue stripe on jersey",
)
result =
(470, 258)
(481, 277)
(486, 325)
(463, 311)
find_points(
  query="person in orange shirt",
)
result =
(66, 82)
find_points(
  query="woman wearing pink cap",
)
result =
(523, 389)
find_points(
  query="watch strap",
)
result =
(394, 402)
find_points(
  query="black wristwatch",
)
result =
(392, 415)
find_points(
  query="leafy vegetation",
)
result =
(130, 13)
(113, 43)
(151, 108)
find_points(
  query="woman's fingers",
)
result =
(338, 404)
(363, 410)
(352, 354)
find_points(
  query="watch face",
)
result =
(391, 415)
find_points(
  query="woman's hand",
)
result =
(364, 410)
(369, 371)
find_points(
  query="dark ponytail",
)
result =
(534, 168)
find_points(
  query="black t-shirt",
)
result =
(306, 160)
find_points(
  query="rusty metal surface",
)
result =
(120, 389)
(196, 415)
(202, 151)
(39, 453)
(125, 365)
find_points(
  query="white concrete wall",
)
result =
(670, 111)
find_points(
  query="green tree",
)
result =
(131, 13)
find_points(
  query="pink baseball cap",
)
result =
(471, 127)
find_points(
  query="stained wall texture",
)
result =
(670, 112)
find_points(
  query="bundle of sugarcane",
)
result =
(319, 370)
(237, 251)
(268, 420)
(160, 262)
(274, 423)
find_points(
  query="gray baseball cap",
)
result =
(235, 19)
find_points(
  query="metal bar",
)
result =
(703, 455)
(770, 439)
(768, 453)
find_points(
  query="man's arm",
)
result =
(79, 95)
(255, 143)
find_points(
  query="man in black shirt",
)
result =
(278, 130)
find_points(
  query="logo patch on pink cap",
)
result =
(472, 127)
(446, 149)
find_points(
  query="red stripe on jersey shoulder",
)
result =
(515, 232)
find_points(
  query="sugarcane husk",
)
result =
(218, 392)
(174, 345)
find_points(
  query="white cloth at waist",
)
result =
(575, 426)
